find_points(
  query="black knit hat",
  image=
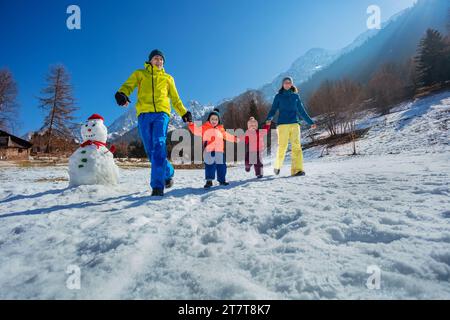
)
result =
(215, 112)
(156, 52)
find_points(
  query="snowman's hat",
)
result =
(96, 116)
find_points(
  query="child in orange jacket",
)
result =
(213, 135)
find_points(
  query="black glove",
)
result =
(121, 98)
(187, 117)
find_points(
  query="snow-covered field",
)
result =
(277, 238)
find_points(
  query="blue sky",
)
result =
(215, 49)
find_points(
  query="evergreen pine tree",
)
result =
(431, 59)
(447, 50)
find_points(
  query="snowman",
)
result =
(93, 163)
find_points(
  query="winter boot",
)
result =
(300, 174)
(224, 183)
(208, 184)
(169, 183)
(259, 177)
(157, 193)
(276, 171)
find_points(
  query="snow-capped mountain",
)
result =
(317, 59)
(123, 124)
(303, 68)
(128, 121)
(198, 111)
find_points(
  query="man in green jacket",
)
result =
(156, 93)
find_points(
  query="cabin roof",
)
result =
(10, 141)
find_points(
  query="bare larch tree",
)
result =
(8, 100)
(58, 102)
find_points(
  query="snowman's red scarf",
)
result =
(98, 144)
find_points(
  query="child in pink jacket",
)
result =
(254, 139)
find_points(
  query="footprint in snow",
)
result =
(362, 234)
(446, 214)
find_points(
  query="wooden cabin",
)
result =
(13, 148)
(60, 146)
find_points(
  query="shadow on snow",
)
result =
(134, 200)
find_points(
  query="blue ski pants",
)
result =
(153, 131)
(215, 162)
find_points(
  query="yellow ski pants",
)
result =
(289, 133)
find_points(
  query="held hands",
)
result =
(187, 117)
(121, 99)
(314, 126)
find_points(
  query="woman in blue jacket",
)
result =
(289, 105)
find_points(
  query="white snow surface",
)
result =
(309, 237)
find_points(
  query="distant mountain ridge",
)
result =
(303, 68)
(317, 59)
(395, 43)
